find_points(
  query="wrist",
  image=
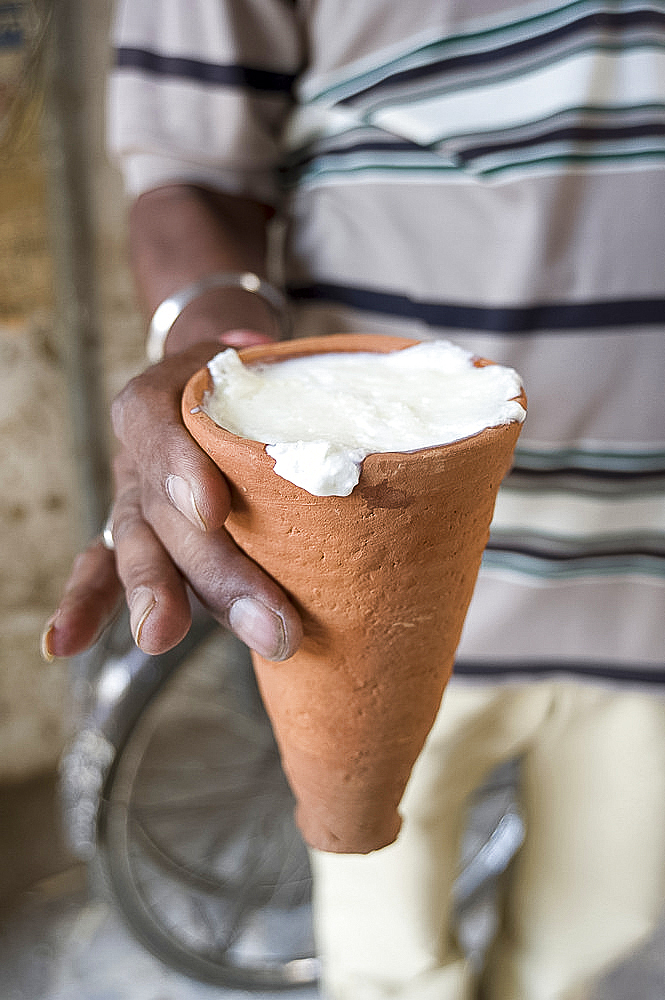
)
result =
(215, 314)
(207, 309)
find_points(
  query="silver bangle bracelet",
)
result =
(168, 311)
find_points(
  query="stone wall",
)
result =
(40, 494)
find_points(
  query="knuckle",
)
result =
(80, 562)
(122, 402)
(123, 469)
(138, 397)
(138, 572)
(128, 516)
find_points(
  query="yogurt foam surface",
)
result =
(321, 415)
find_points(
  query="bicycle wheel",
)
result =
(196, 836)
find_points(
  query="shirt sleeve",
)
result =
(200, 91)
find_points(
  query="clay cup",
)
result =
(382, 579)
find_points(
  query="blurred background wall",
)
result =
(69, 338)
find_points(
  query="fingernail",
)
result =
(182, 498)
(141, 604)
(259, 627)
(46, 642)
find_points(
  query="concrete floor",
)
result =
(61, 943)
(59, 940)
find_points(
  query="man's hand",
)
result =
(170, 506)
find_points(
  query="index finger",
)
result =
(146, 419)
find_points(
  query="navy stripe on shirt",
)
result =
(626, 673)
(611, 22)
(554, 317)
(196, 70)
(573, 134)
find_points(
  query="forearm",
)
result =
(179, 234)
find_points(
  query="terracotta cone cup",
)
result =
(383, 580)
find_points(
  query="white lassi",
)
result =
(321, 415)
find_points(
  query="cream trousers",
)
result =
(587, 886)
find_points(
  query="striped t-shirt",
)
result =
(488, 171)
